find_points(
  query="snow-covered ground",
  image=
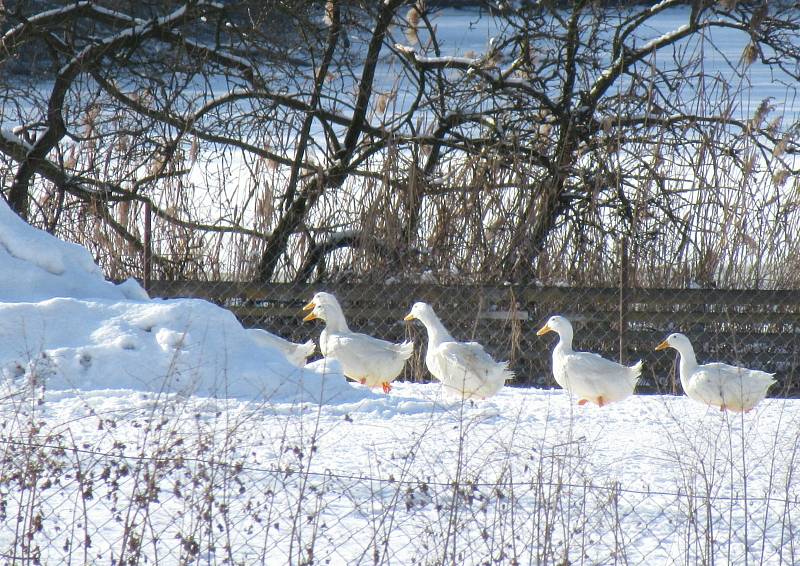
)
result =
(153, 431)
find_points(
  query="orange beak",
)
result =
(409, 316)
(662, 346)
(543, 330)
(310, 316)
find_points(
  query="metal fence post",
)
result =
(623, 296)
(148, 245)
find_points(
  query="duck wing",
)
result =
(470, 363)
(295, 353)
(591, 375)
(362, 355)
(734, 387)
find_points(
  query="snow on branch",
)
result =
(630, 56)
(56, 14)
(18, 33)
(11, 140)
(437, 62)
(499, 78)
(228, 59)
(141, 28)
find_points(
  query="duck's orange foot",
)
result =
(363, 381)
(600, 401)
(582, 401)
(386, 387)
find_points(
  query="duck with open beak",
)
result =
(365, 359)
(311, 315)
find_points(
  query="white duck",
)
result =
(586, 375)
(370, 361)
(295, 353)
(720, 385)
(463, 368)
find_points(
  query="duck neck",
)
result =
(335, 320)
(565, 342)
(437, 333)
(688, 364)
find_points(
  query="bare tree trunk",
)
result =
(335, 176)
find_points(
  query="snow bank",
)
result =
(64, 327)
(35, 266)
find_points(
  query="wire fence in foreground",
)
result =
(177, 481)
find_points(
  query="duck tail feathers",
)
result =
(307, 349)
(508, 375)
(636, 368)
(406, 349)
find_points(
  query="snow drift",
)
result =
(63, 326)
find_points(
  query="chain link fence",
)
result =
(759, 329)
